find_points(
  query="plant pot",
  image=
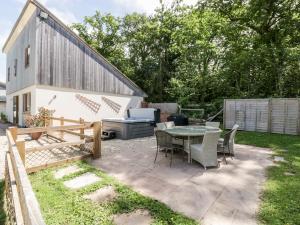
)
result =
(36, 135)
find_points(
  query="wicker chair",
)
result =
(170, 124)
(161, 126)
(164, 142)
(206, 153)
(226, 144)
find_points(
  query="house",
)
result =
(48, 65)
(2, 98)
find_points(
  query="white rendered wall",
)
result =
(2, 92)
(67, 105)
(9, 103)
(3, 107)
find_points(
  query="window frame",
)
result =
(15, 67)
(27, 56)
(26, 97)
(8, 74)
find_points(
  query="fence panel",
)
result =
(229, 114)
(262, 115)
(276, 115)
(250, 121)
(292, 116)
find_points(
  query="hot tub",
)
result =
(129, 128)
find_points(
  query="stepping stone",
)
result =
(289, 174)
(82, 181)
(279, 159)
(104, 194)
(66, 171)
(138, 217)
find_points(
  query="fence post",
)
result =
(61, 124)
(21, 149)
(270, 116)
(14, 132)
(97, 140)
(81, 121)
(224, 114)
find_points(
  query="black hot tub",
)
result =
(129, 128)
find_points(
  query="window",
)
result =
(8, 74)
(26, 102)
(15, 67)
(27, 56)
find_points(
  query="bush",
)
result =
(3, 117)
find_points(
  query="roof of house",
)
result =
(19, 24)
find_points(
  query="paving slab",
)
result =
(66, 171)
(138, 217)
(225, 195)
(102, 195)
(289, 174)
(3, 148)
(82, 181)
(279, 159)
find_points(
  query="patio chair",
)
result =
(212, 124)
(176, 140)
(161, 126)
(170, 124)
(226, 144)
(164, 141)
(206, 153)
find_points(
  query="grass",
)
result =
(281, 194)
(64, 206)
(2, 210)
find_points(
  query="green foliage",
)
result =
(280, 199)
(213, 50)
(2, 208)
(3, 117)
(61, 205)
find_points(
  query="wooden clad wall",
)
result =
(263, 115)
(25, 76)
(64, 61)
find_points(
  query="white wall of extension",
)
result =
(65, 103)
(9, 103)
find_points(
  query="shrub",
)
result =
(3, 117)
(37, 120)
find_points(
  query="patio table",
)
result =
(188, 132)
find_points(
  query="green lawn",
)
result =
(281, 196)
(63, 206)
(2, 210)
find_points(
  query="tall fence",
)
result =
(274, 115)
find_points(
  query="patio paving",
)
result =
(225, 195)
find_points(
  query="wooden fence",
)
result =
(22, 205)
(39, 157)
(274, 115)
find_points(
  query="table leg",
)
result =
(189, 150)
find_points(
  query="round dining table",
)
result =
(189, 132)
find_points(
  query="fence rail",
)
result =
(22, 205)
(274, 115)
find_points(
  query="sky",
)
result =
(70, 11)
